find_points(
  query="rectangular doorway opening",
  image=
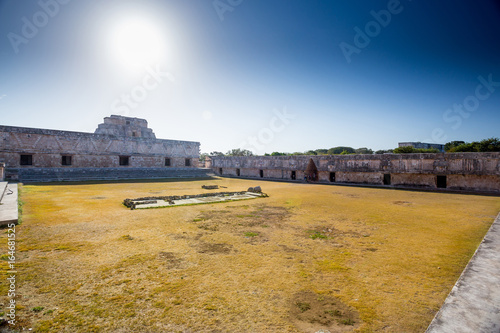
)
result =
(65, 160)
(26, 160)
(261, 173)
(387, 179)
(220, 171)
(238, 172)
(332, 177)
(293, 175)
(124, 160)
(441, 182)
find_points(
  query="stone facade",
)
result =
(125, 126)
(119, 142)
(456, 171)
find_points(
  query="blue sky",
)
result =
(265, 75)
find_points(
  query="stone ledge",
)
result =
(473, 303)
(8, 209)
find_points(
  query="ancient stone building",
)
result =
(121, 147)
(455, 171)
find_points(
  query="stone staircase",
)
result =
(31, 175)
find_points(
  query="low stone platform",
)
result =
(8, 204)
(160, 202)
(474, 302)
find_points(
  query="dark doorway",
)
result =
(66, 160)
(220, 171)
(311, 172)
(238, 172)
(167, 161)
(293, 175)
(332, 177)
(187, 162)
(441, 181)
(261, 173)
(124, 160)
(26, 160)
(387, 179)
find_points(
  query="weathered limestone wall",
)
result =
(442, 163)
(359, 177)
(91, 150)
(477, 182)
(413, 179)
(2, 171)
(461, 171)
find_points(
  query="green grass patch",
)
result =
(316, 234)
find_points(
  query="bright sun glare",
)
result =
(136, 43)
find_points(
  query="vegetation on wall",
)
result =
(486, 145)
(340, 150)
(412, 150)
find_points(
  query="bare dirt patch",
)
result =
(211, 248)
(170, 259)
(314, 311)
(258, 216)
(402, 203)
(289, 249)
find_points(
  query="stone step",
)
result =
(83, 174)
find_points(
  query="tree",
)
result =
(203, 157)
(216, 153)
(411, 150)
(404, 150)
(239, 152)
(486, 145)
(452, 144)
(278, 154)
(339, 150)
(364, 150)
(382, 151)
(310, 152)
(321, 151)
(489, 145)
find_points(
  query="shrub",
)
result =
(411, 150)
(486, 145)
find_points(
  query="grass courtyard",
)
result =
(306, 258)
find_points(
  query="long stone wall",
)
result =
(457, 171)
(119, 142)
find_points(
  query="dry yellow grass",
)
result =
(309, 257)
